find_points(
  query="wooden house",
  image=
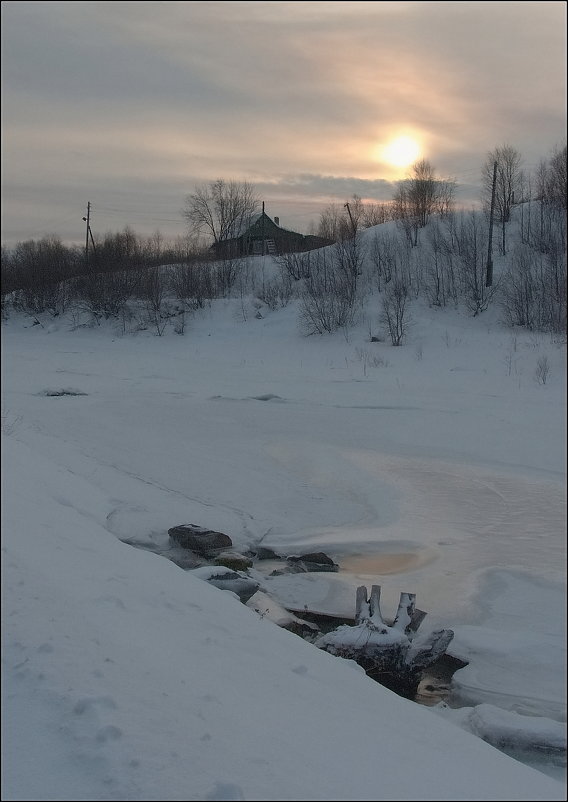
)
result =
(262, 235)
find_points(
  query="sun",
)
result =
(400, 152)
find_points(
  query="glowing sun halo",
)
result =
(401, 152)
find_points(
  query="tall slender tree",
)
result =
(508, 183)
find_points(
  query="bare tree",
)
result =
(542, 369)
(556, 185)
(277, 292)
(376, 261)
(192, 278)
(419, 196)
(187, 248)
(153, 249)
(226, 273)
(551, 191)
(38, 270)
(551, 179)
(295, 265)
(221, 208)
(327, 301)
(106, 293)
(387, 257)
(548, 234)
(553, 276)
(534, 284)
(339, 223)
(403, 212)
(395, 310)
(508, 183)
(519, 290)
(472, 250)
(349, 254)
(120, 251)
(333, 223)
(376, 213)
(445, 197)
(438, 261)
(422, 191)
(152, 290)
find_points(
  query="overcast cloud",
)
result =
(130, 105)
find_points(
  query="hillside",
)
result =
(435, 467)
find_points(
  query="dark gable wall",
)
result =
(265, 228)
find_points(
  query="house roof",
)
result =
(247, 224)
(251, 226)
(254, 220)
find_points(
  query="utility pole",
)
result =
(263, 241)
(346, 206)
(86, 219)
(93, 244)
(489, 273)
(89, 233)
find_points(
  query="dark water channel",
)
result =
(435, 683)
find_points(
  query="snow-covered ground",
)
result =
(437, 468)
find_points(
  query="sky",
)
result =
(436, 468)
(132, 105)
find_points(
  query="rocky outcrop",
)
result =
(314, 561)
(202, 541)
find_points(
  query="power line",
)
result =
(148, 215)
(59, 221)
(124, 210)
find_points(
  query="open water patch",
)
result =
(263, 397)
(385, 563)
(388, 557)
(267, 397)
(61, 392)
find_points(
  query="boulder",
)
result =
(314, 561)
(264, 553)
(223, 578)
(205, 542)
(290, 568)
(234, 560)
